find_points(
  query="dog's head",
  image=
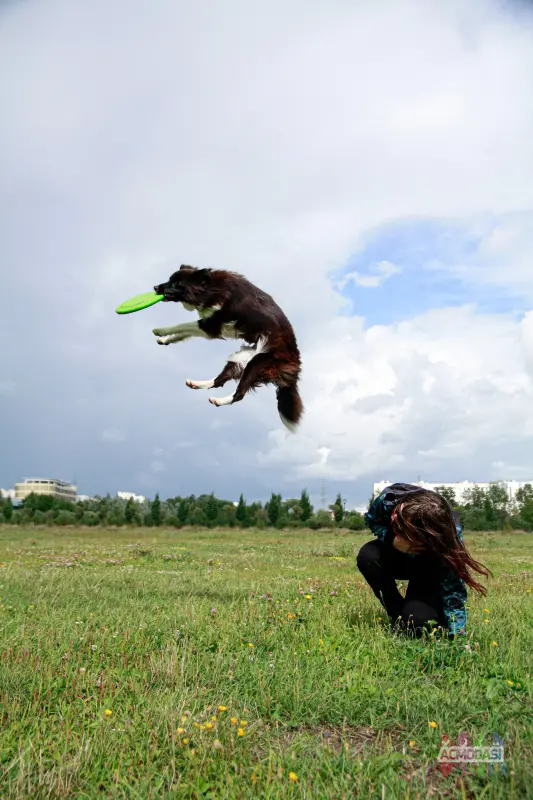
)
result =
(188, 285)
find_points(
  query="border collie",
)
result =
(230, 307)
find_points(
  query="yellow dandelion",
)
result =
(495, 644)
(222, 708)
(485, 610)
(293, 777)
(412, 743)
(184, 718)
(307, 596)
(209, 726)
(234, 720)
(240, 732)
(181, 730)
(485, 620)
(243, 723)
(511, 683)
(213, 718)
(185, 741)
(250, 645)
(108, 712)
(432, 724)
(380, 619)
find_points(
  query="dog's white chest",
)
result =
(203, 313)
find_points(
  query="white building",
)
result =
(5, 493)
(462, 487)
(137, 498)
(45, 486)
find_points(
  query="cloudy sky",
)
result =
(368, 164)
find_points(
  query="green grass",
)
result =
(122, 620)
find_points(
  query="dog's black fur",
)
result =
(231, 307)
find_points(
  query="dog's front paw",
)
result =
(164, 340)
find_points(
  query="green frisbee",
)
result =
(139, 302)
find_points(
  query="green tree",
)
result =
(338, 509)
(211, 508)
(524, 494)
(90, 518)
(448, 493)
(258, 516)
(322, 519)
(39, 517)
(65, 518)
(273, 509)
(305, 505)
(354, 521)
(527, 514)
(475, 497)
(8, 510)
(103, 509)
(155, 511)
(241, 514)
(183, 512)
(198, 517)
(116, 515)
(130, 512)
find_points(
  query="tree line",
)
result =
(481, 509)
(204, 510)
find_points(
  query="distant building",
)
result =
(5, 493)
(462, 487)
(137, 498)
(45, 486)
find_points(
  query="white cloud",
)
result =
(382, 271)
(269, 142)
(113, 435)
(431, 393)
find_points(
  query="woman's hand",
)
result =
(405, 546)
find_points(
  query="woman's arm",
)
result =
(378, 516)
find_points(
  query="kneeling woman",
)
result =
(419, 539)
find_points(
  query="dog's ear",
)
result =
(202, 276)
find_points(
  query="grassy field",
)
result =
(217, 663)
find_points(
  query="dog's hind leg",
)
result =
(231, 372)
(255, 373)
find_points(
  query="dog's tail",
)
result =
(290, 406)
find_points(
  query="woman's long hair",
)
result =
(426, 518)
